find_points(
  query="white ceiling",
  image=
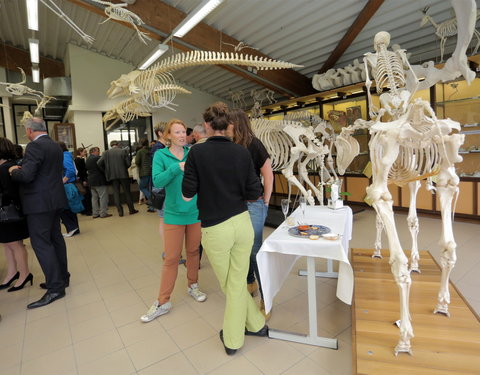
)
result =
(303, 32)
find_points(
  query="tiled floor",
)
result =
(115, 265)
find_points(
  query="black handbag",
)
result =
(10, 213)
(157, 198)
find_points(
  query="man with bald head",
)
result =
(43, 199)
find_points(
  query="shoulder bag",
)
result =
(157, 198)
(10, 213)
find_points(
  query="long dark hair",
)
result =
(7, 149)
(242, 130)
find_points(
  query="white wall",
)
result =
(190, 107)
(91, 74)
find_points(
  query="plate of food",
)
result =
(306, 231)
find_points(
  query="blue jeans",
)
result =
(258, 211)
(144, 187)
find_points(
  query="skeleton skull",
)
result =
(381, 38)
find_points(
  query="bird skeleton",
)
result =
(20, 88)
(119, 13)
(50, 4)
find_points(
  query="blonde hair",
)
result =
(169, 125)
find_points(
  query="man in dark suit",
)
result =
(115, 163)
(43, 198)
(98, 185)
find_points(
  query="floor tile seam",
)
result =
(191, 346)
(101, 358)
(151, 364)
(169, 356)
(56, 350)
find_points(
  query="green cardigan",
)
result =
(166, 173)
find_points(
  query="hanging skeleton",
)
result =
(20, 88)
(156, 88)
(413, 146)
(50, 4)
(447, 29)
(119, 13)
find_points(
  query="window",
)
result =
(129, 134)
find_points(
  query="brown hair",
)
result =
(169, 125)
(63, 146)
(218, 116)
(242, 130)
(78, 151)
(159, 128)
(7, 149)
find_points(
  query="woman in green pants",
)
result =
(222, 174)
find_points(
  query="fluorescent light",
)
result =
(34, 52)
(195, 16)
(32, 14)
(36, 74)
(154, 55)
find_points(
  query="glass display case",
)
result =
(461, 102)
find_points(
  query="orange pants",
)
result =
(173, 245)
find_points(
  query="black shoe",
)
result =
(27, 279)
(47, 299)
(227, 350)
(7, 284)
(44, 285)
(133, 212)
(261, 333)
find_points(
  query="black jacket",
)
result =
(95, 175)
(222, 174)
(40, 178)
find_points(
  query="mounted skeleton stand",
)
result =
(412, 146)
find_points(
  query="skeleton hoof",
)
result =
(442, 309)
(403, 348)
(377, 254)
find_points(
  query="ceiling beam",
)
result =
(357, 26)
(164, 18)
(13, 58)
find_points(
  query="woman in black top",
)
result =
(12, 234)
(258, 208)
(80, 155)
(223, 176)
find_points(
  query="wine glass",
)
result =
(303, 207)
(285, 207)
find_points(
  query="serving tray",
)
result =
(314, 229)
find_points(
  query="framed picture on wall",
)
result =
(65, 133)
(353, 113)
(338, 119)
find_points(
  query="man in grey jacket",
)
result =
(115, 163)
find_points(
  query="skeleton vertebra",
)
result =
(119, 13)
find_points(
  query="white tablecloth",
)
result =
(280, 251)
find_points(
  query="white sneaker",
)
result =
(155, 311)
(71, 233)
(196, 294)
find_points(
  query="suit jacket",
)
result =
(40, 178)
(115, 163)
(95, 175)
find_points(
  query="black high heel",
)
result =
(27, 279)
(7, 284)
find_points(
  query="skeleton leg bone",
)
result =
(413, 225)
(382, 200)
(447, 187)
(377, 253)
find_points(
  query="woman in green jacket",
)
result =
(180, 220)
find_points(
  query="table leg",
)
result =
(312, 337)
(330, 273)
